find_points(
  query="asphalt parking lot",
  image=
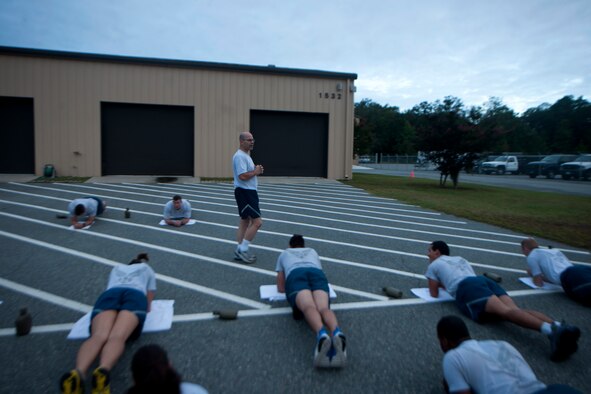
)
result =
(365, 243)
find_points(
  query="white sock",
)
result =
(546, 328)
(243, 247)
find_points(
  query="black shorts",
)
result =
(576, 282)
(473, 294)
(305, 279)
(248, 203)
(122, 298)
(101, 206)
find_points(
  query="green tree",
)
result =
(382, 129)
(564, 126)
(446, 133)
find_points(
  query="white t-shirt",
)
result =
(192, 388)
(242, 162)
(293, 258)
(183, 212)
(449, 271)
(90, 206)
(138, 276)
(489, 367)
(548, 262)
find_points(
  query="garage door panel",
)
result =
(140, 139)
(290, 143)
(17, 135)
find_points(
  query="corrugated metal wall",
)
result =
(67, 95)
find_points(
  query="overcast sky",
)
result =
(525, 52)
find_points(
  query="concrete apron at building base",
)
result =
(23, 178)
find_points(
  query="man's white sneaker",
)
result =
(321, 350)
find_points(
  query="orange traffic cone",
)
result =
(412, 173)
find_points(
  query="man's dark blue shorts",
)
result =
(576, 282)
(473, 293)
(304, 279)
(101, 207)
(122, 298)
(248, 203)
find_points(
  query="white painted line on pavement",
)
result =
(182, 253)
(348, 306)
(43, 295)
(164, 278)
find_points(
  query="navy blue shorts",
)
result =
(101, 206)
(248, 203)
(473, 293)
(576, 282)
(304, 279)
(122, 298)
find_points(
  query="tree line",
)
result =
(453, 136)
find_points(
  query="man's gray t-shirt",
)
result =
(90, 206)
(449, 271)
(241, 163)
(293, 258)
(491, 367)
(171, 213)
(548, 262)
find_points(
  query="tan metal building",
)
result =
(97, 115)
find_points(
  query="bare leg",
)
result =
(328, 316)
(124, 325)
(242, 226)
(252, 229)
(510, 303)
(305, 303)
(507, 309)
(90, 349)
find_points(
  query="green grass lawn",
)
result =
(559, 217)
(61, 179)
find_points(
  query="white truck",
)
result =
(501, 165)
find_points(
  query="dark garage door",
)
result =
(140, 139)
(17, 136)
(290, 143)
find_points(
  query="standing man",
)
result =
(477, 296)
(247, 198)
(177, 212)
(87, 207)
(553, 266)
(485, 367)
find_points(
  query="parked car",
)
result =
(549, 166)
(578, 168)
(500, 165)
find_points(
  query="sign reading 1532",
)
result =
(326, 95)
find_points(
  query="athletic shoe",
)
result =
(246, 257)
(339, 343)
(237, 256)
(563, 341)
(101, 381)
(321, 350)
(72, 383)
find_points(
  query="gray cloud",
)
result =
(404, 51)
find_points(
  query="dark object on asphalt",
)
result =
(495, 277)
(61, 216)
(127, 213)
(23, 323)
(228, 314)
(296, 313)
(392, 292)
(166, 179)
